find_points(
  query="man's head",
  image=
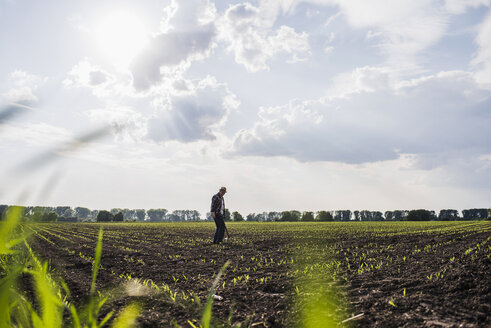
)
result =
(222, 191)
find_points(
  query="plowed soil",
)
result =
(387, 274)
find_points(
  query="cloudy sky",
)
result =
(307, 105)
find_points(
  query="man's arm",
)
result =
(215, 203)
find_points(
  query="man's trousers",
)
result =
(220, 232)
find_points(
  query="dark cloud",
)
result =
(10, 111)
(97, 77)
(85, 74)
(443, 113)
(193, 115)
(170, 49)
(242, 11)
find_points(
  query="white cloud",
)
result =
(126, 124)
(332, 18)
(35, 134)
(196, 111)
(362, 79)
(86, 75)
(328, 50)
(248, 30)
(188, 34)
(460, 6)
(404, 29)
(291, 42)
(439, 113)
(482, 59)
(23, 87)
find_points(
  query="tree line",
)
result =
(81, 214)
(364, 215)
(69, 214)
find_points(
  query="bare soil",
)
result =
(424, 279)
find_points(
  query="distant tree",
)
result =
(227, 215)
(398, 215)
(419, 215)
(51, 216)
(448, 215)
(475, 214)
(69, 219)
(28, 211)
(140, 214)
(391, 216)
(48, 216)
(323, 216)
(257, 217)
(156, 214)
(129, 215)
(307, 216)
(273, 216)
(377, 216)
(179, 215)
(290, 216)
(368, 215)
(183, 215)
(236, 216)
(118, 217)
(82, 212)
(286, 216)
(296, 215)
(115, 211)
(343, 215)
(208, 216)
(172, 217)
(69, 212)
(35, 213)
(262, 216)
(93, 214)
(105, 216)
(194, 215)
(356, 216)
(60, 210)
(251, 217)
(3, 210)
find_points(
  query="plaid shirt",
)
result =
(217, 202)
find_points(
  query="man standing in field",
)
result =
(218, 214)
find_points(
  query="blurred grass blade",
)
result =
(10, 300)
(76, 319)
(64, 148)
(128, 316)
(20, 311)
(97, 261)
(50, 304)
(10, 111)
(13, 216)
(106, 318)
(6, 293)
(206, 318)
(95, 305)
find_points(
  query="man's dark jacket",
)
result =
(216, 204)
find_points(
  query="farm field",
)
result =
(387, 274)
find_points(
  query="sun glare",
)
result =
(120, 37)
